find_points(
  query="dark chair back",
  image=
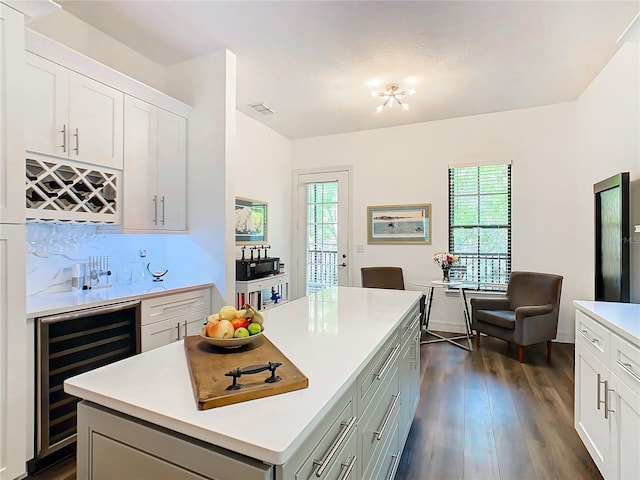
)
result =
(382, 277)
(534, 288)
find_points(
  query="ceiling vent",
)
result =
(263, 108)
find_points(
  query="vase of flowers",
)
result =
(444, 261)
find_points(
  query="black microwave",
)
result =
(257, 268)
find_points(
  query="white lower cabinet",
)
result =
(170, 318)
(13, 359)
(607, 398)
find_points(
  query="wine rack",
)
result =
(64, 191)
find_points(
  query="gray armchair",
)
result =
(527, 315)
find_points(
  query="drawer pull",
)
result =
(627, 367)
(388, 362)
(586, 335)
(411, 325)
(394, 466)
(178, 305)
(326, 461)
(388, 416)
(349, 468)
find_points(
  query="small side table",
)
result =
(432, 285)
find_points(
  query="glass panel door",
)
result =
(323, 231)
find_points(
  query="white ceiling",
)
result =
(315, 61)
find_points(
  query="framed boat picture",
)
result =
(251, 221)
(399, 224)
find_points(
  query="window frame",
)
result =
(476, 282)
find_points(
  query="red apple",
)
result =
(222, 329)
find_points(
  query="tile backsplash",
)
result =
(53, 249)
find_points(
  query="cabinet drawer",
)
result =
(389, 459)
(326, 442)
(378, 369)
(167, 331)
(378, 423)
(346, 465)
(170, 306)
(410, 325)
(625, 362)
(345, 459)
(593, 335)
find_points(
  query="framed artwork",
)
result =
(399, 224)
(251, 221)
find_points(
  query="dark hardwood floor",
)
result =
(483, 415)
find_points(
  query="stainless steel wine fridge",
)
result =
(66, 345)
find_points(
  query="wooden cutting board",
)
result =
(208, 365)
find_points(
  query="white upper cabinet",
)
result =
(154, 183)
(172, 170)
(11, 97)
(72, 116)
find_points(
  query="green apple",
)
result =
(241, 332)
(254, 328)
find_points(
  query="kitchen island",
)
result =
(359, 349)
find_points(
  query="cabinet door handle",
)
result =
(64, 138)
(185, 328)
(155, 209)
(349, 468)
(607, 410)
(387, 363)
(387, 417)
(162, 201)
(598, 396)
(178, 327)
(326, 461)
(394, 466)
(627, 367)
(77, 135)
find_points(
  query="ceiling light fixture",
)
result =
(391, 96)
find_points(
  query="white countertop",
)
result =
(329, 336)
(54, 303)
(622, 318)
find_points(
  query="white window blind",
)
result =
(480, 224)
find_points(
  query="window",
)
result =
(480, 224)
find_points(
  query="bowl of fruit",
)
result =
(231, 328)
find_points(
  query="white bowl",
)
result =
(228, 342)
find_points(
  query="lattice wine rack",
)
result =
(61, 191)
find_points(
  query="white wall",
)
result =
(208, 83)
(409, 164)
(263, 172)
(64, 28)
(609, 143)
